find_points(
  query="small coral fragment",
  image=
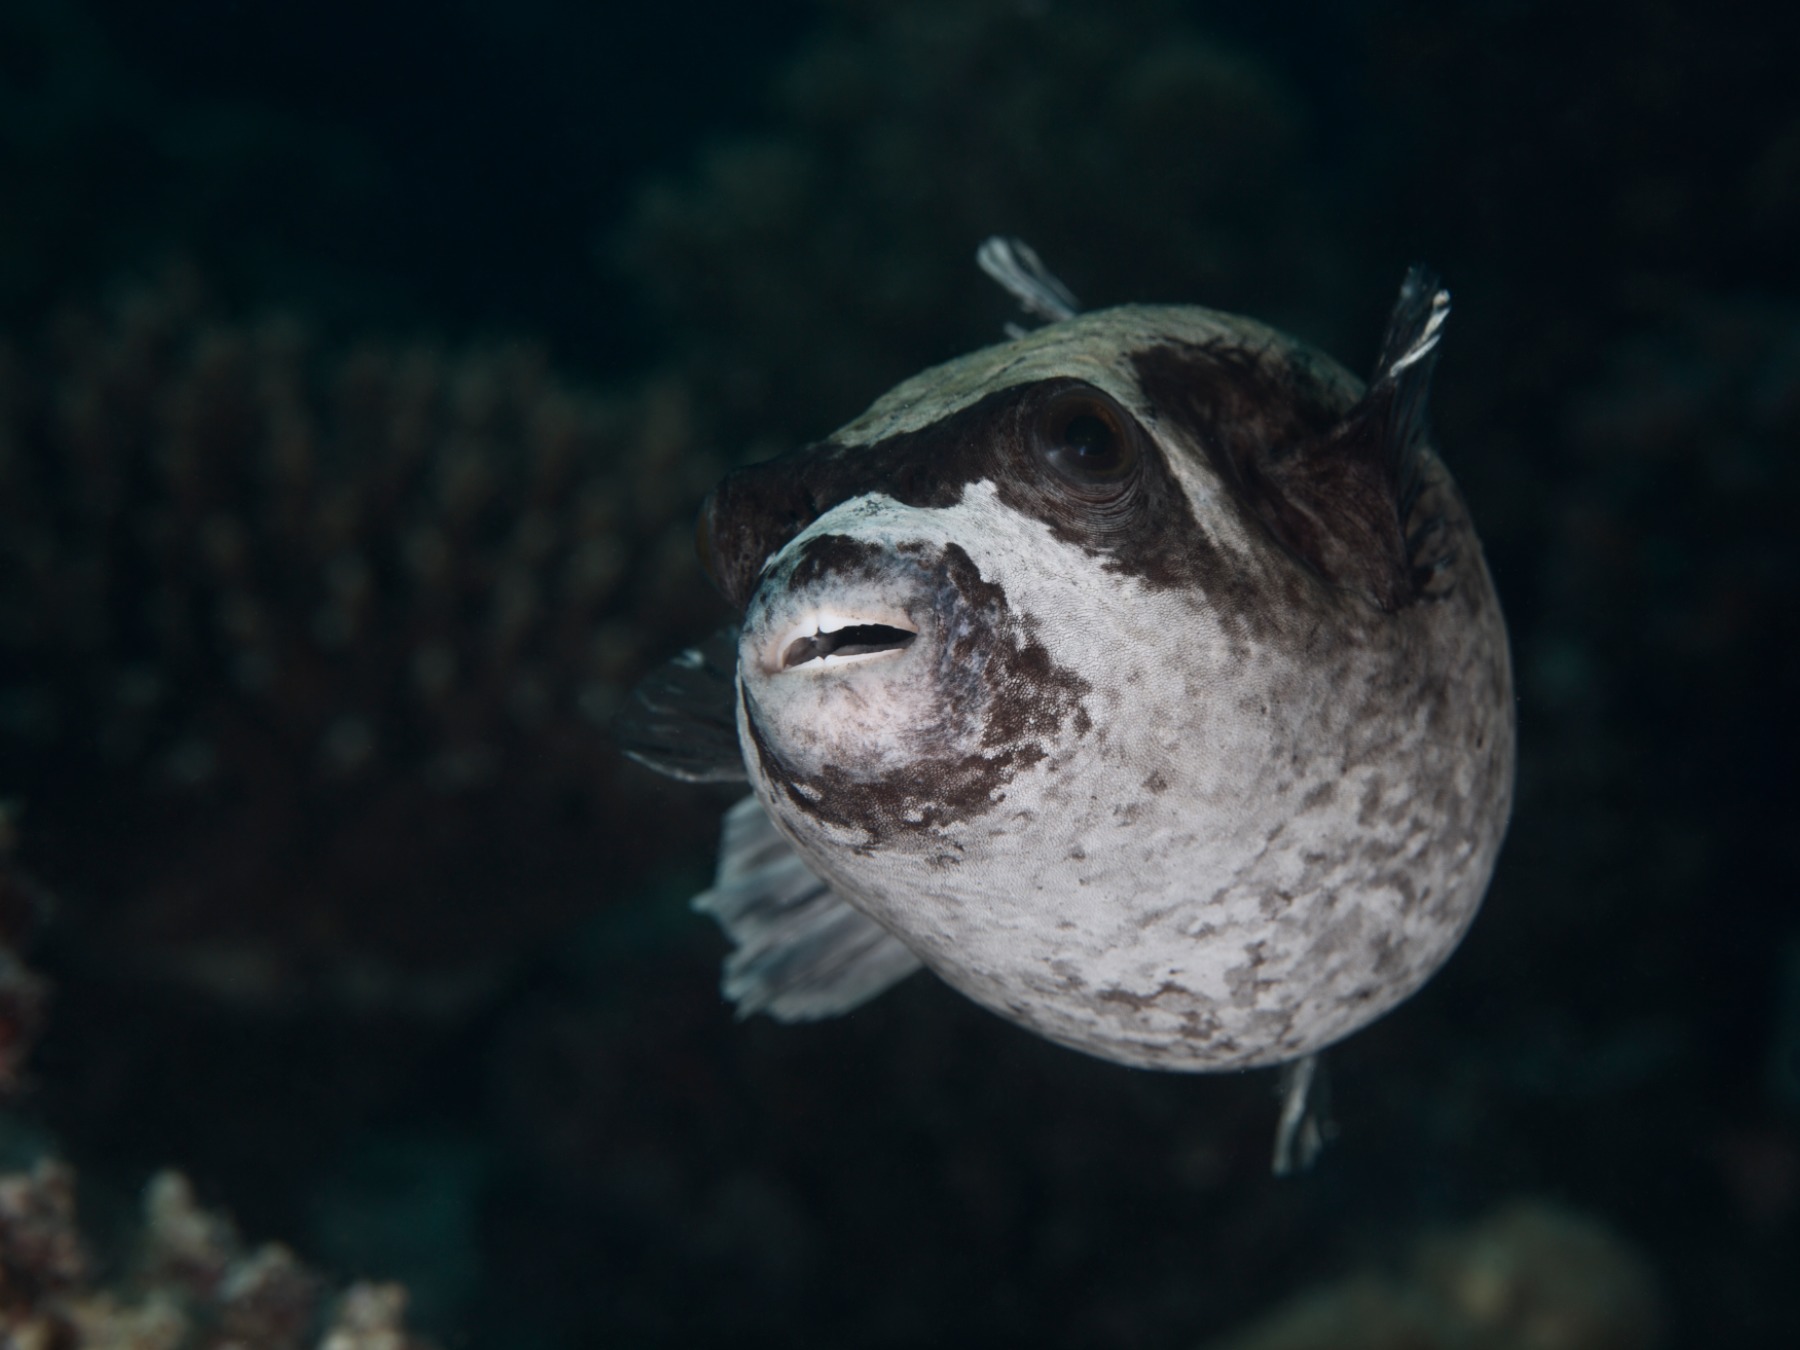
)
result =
(188, 1282)
(1533, 1276)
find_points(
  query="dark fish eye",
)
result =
(1091, 440)
(1086, 438)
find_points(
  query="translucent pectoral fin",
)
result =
(800, 952)
(681, 720)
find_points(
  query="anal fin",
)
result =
(1305, 1122)
(799, 951)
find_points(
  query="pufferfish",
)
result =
(1141, 676)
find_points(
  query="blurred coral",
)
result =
(308, 653)
(187, 1281)
(1533, 1276)
(184, 1280)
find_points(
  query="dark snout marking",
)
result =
(756, 511)
(994, 680)
(837, 558)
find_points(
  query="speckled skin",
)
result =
(1234, 817)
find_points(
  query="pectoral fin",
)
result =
(681, 719)
(800, 953)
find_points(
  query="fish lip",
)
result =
(775, 657)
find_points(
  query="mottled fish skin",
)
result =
(1202, 784)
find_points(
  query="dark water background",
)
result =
(360, 368)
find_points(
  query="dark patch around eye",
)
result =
(1151, 534)
(1300, 463)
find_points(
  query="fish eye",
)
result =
(1086, 439)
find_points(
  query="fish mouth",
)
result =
(828, 641)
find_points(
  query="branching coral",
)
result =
(187, 1283)
(323, 643)
(1533, 1276)
(185, 1280)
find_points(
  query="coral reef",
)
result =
(186, 1282)
(183, 1279)
(1531, 1277)
(321, 644)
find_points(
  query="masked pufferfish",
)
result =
(1141, 676)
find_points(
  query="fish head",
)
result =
(900, 642)
(932, 595)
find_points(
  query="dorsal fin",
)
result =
(1016, 267)
(1349, 495)
(1403, 378)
